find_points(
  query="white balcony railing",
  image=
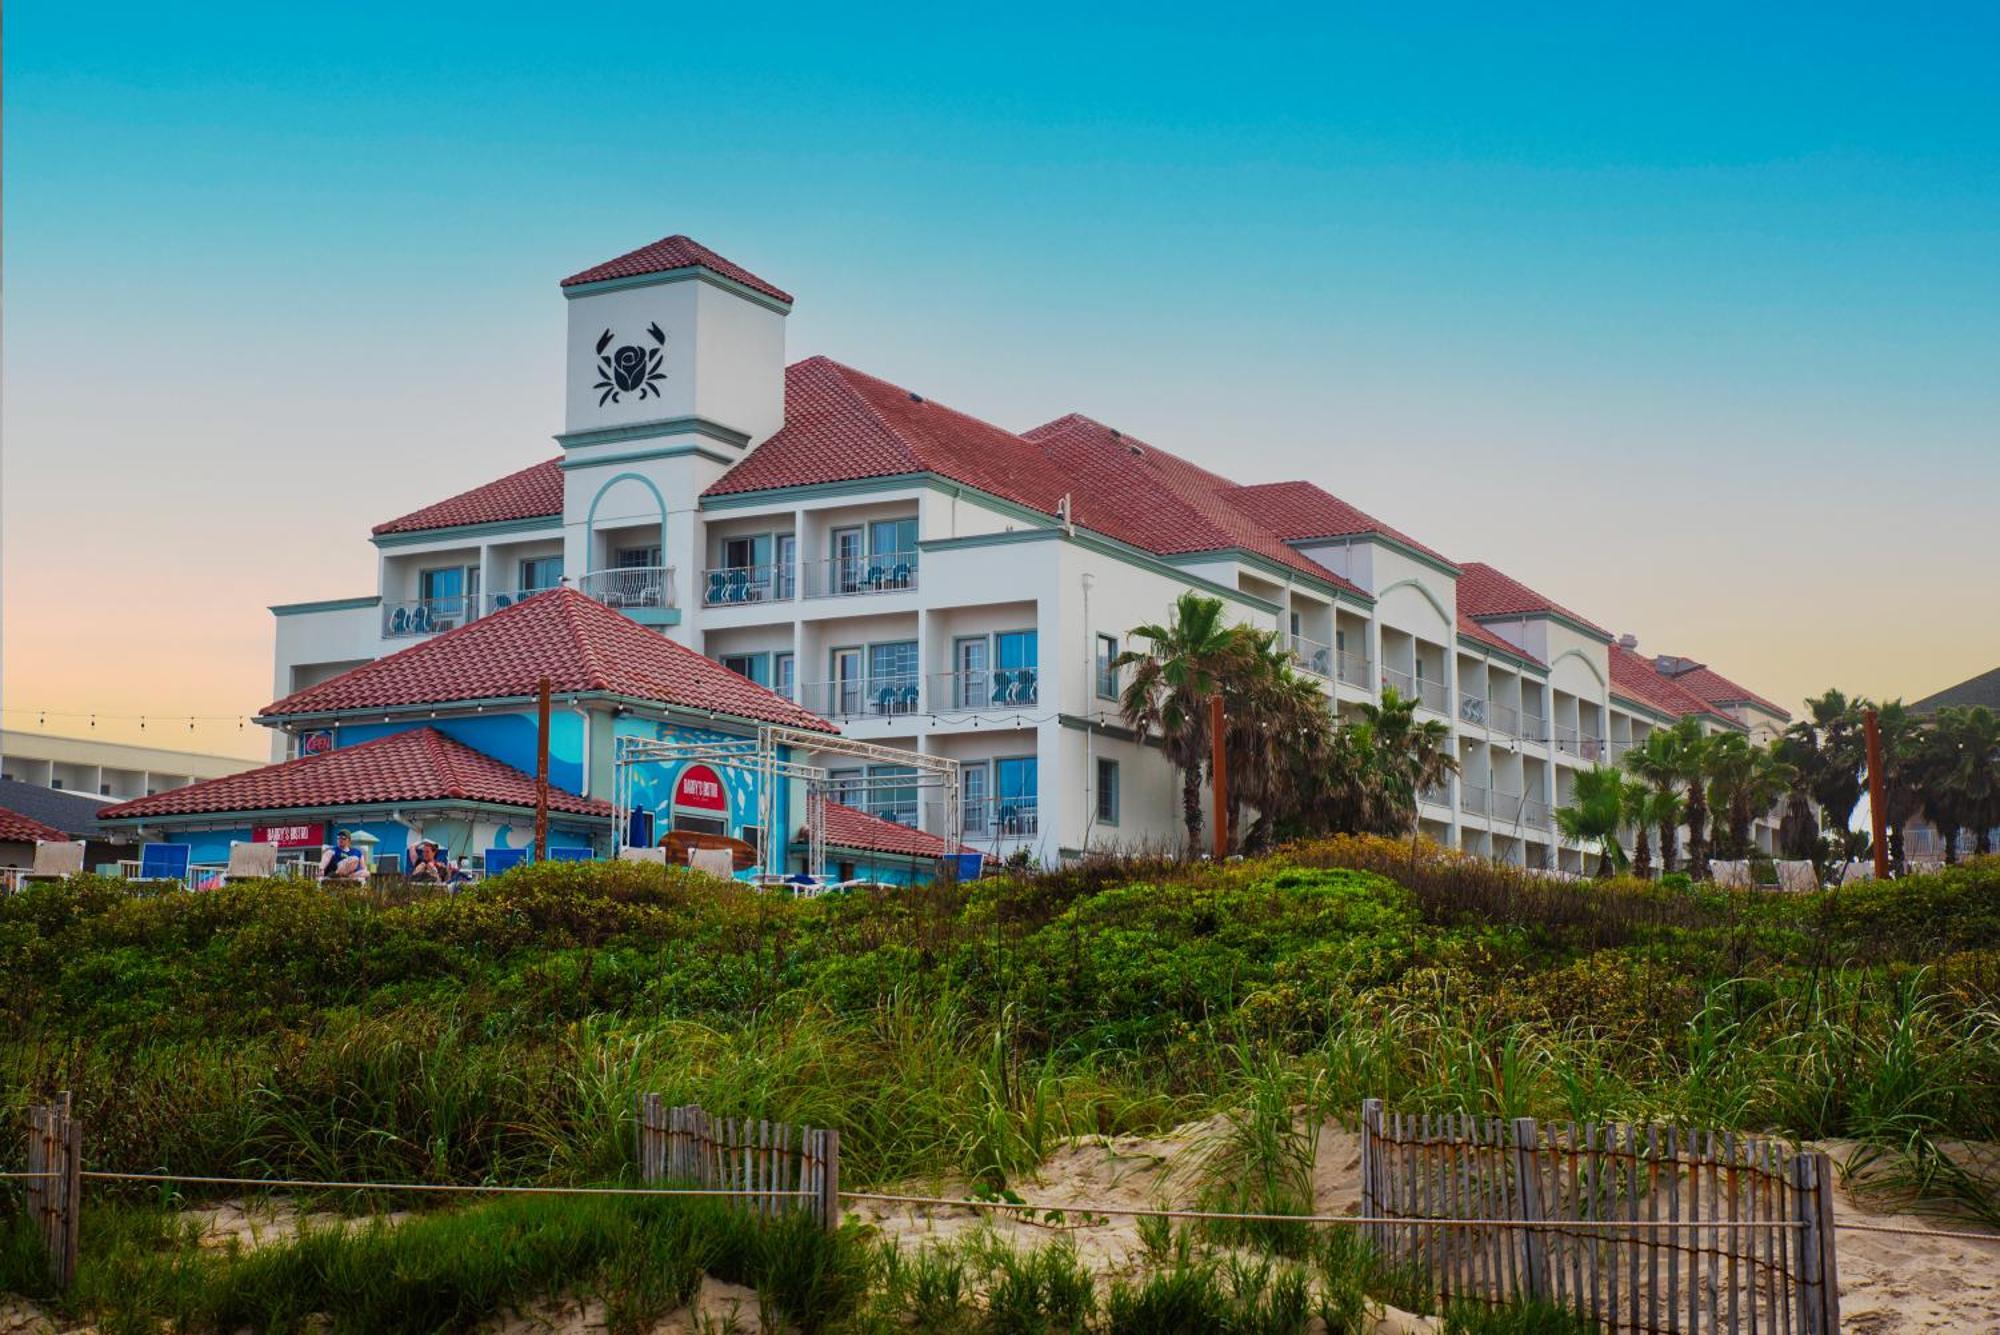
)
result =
(631, 586)
(887, 696)
(1472, 709)
(1001, 817)
(1433, 695)
(1534, 728)
(1535, 813)
(427, 616)
(850, 576)
(980, 689)
(723, 586)
(1353, 668)
(1438, 796)
(1401, 682)
(1503, 807)
(1472, 798)
(1310, 655)
(1503, 718)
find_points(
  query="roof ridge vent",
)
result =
(916, 397)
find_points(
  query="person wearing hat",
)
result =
(343, 862)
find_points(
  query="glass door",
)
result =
(1014, 794)
(849, 561)
(972, 796)
(892, 553)
(784, 575)
(970, 682)
(844, 695)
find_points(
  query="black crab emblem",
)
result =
(632, 368)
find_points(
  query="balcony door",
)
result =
(970, 681)
(850, 559)
(847, 683)
(1014, 783)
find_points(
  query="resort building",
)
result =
(99, 768)
(951, 588)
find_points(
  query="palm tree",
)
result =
(1830, 751)
(1403, 757)
(1171, 685)
(1656, 762)
(1955, 775)
(1596, 811)
(1648, 809)
(1275, 732)
(1726, 768)
(1744, 780)
(1900, 735)
(1691, 756)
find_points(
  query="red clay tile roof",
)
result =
(1636, 679)
(849, 828)
(668, 254)
(421, 765)
(1485, 592)
(1472, 630)
(844, 425)
(580, 645)
(1301, 511)
(14, 827)
(1717, 689)
(532, 493)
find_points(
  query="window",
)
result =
(104, 790)
(1014, 795)
(637, 558)
(970, 658)
(845, 695)
(1014, 675)
(844, 785)
(55, 783)
(1107, 791)
(1107, 670)
(541, 572)
(786, 571)
(892, 793)
(972, 791)
(892, 677)
(892, 537)
(1295, 623)
(442, 588)
(756, 667)
(784, 675)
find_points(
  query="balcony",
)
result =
(1535, 813)
(1439, 796)
(1472, 709)
(644, 593)
(1573, 742)
(853, 576)
(985, 689)
(727, 586)
(1473, 798)
(1001, 817)
(1310, 656)
(429, 616)
(1534, 728)
(890, 696)
(1353, 668)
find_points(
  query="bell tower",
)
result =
(674, 371)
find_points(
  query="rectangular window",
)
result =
(541, 572)
(446, 585)
(892, 793)
(1295, 623)
(1014, 668)
(637, 558)
(1014, 795)
(1107, 671)
(1107, 791)
(892, 677)
(845, 691)
(784, 675)
(756, 667)
(844, 785)
(892, 537)
(784, 575)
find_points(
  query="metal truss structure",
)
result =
(760, 758)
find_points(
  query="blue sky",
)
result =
(1706, 296)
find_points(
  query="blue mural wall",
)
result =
(460, 837)
(652, 786)
(507, 737)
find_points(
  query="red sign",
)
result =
(315, 743)
(289, 836)
(700, 788)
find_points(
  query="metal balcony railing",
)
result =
(1472, 798)
(1353, 668)
(1503, 718)
(427, 616)
(1399, 681)
(1439, 796)
(1001, 817)
(1433, 695)
(722, 586)
(887, 696)
(1310, 655)
(1534, 728)
(1535, 813)
(631, 586)
(981, 689)
(1472, 709)
(850, 576)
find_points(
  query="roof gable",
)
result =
(1486, 592)
(847, 827)
(1472, 630)
(1303, 511)
(421, 765)
(670, 254)
(1634, 677)
(1717, 689)
(580, 645)
(536, 492)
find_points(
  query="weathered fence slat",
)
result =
(774, 1166)
(1641, 1228)
(55, 1192)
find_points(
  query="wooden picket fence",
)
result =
(777, 1167)
(1721, 1233)
(54, 1185)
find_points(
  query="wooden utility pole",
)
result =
(542, 771)
(1878, 802)
(1218, 768)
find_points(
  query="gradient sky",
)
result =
(1689, 316)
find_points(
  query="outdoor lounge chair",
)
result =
(55, 859)
(1024, 687)
(164, 862)
(900, 577)
(656, 856)
(251, 862)
(718, 587)
(1734, 875)
(399, 621)
(908, 699)
(1003, 685)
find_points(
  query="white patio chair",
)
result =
(1797, 876)
(1734, 875)
(713, 862)
(656, 856)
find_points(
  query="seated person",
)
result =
(429, 865)
(343, 861)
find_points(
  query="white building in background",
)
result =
(936, 582)
(94, 767)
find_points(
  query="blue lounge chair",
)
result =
(739, 586)
(1003, 685)
(718, 587)
(908, 699)
(164, 862)
(1024, 687)
(501, 600)
(500, 860)
(885, 700)
(900, 576)
(399, 622)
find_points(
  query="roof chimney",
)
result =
(1628, 642)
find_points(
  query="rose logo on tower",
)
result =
(632, 368)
